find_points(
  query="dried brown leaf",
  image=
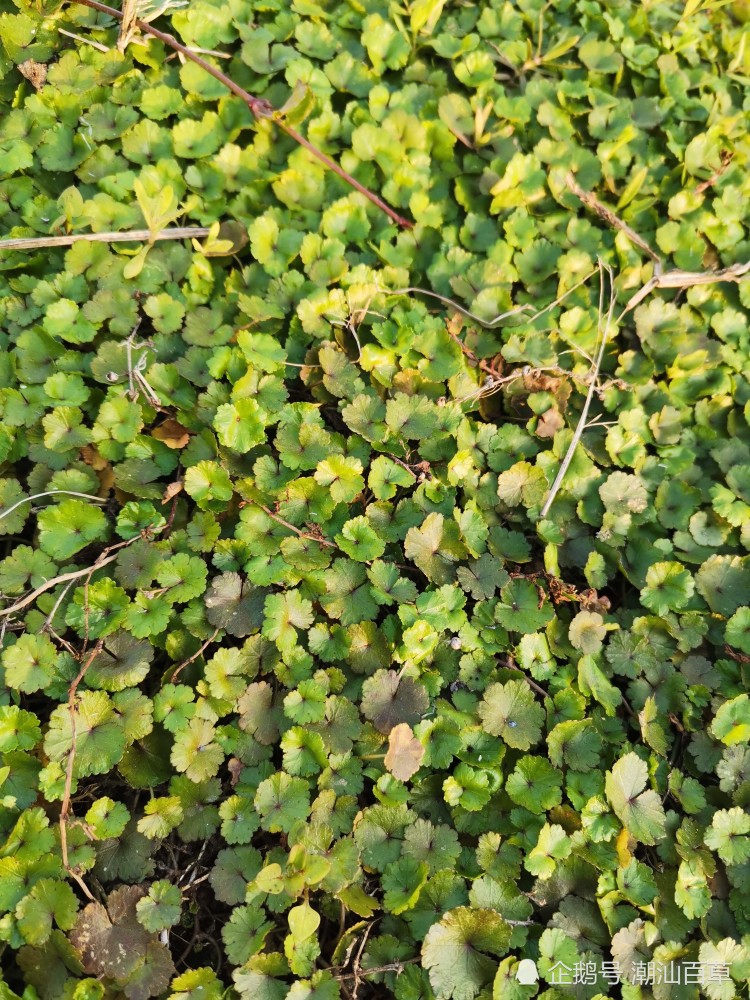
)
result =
(405, 752)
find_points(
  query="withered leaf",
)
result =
(405, 752)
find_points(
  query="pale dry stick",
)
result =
(86, 41)
(49, 493)
(490, 324)
(47, 624)
(686, 279)
(178, 670)
(297, 531)
(661, 279)
(530, 681)
(65, 805)
(356, 975)
(392, 967)
(104, 559)
(259, 107)
(128, 25)
(63, 578)
(590, 394)
(63, 642)
(130, 236)
(593, 203)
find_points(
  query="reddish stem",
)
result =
(259, 107)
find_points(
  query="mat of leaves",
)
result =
(302, 697)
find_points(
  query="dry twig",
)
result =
(686, 279)
(65, 806)
(565, 464)
(298, 531)
(593, 203)
(191, 659)
(130, 236)
(259, 107)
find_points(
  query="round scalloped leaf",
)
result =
(510, 711)
(196, 752)
(731, 723)
(14, 512)
(161, 908)
(640, 810)
(282, 801)
(70, 526)
(30, 664)
(521, 608)
(107, 818)
(737, 633)
(123, 662)
(457, 950)
(388, 700)
(241, 425)
(234, 605)
(724, 582)
(99, 734)
(19, 729)
(49, 900)
(669, 587)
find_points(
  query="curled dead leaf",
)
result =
(405, 752)
(172, 490)
(91, 457)
(35, 72)
(549, 423)
(172, 433)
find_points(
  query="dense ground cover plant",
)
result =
(308, 690)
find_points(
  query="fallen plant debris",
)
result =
(374, 594)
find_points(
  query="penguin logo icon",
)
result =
(526, 973)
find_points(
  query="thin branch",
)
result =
(259, 107)
(298, 531)
(686, 279)
(104, 559)
(50, 584)
(86, 41)
(131, 236)
(392, 967)
(532, 683)
(489, 324)
(178, 670)
(593, 203)
(589, 395)
(65, 806)
(661, 279)
(49, 493)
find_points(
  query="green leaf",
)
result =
(669, 587)
(535, 784)
(360, 541)
(511, 712)
(456, 951)
(282, 801)
(161, 907)
(343, 477)
(552, 845)
(731, 723)
(241, 425)
(402, 883)
(640, 812)
(728, 835)
(519, 608)
(48, 901)
(70, 526)
(31, 663)
(99, 734)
